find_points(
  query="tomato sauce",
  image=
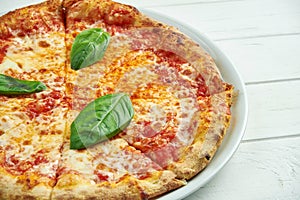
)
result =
(18, 166)
(101, 177)
(3, 50)
(164, 155)
(119, 16)
(155, 139)
(44, 105)
(171, 58)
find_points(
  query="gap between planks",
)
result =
(190, 3)
(272, 81)
(270, 138)
(257, 36)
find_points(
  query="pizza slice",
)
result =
(32, 125)
(111, 170)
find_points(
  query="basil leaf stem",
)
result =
(100, 120)
(13, 86)
(89, 47)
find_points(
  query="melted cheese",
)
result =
(32, 128)
(189, 115)
(8, 64)
(121, 159)
(39, 57)
(80, 162)
(142, 76)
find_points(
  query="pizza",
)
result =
(181, 104)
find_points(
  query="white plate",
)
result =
(239, 109)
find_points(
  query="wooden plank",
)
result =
(236, 19)
(265, 58)
(156, 3)
(274, 110)
(259, 170)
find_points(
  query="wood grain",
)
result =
(261, 170)
(276, 57)
(274, 110)
(239, 19)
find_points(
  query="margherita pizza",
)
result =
(181, 104)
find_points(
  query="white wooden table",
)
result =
(262, 38)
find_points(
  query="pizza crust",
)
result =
(79, 180)
(166, 181)
(127, 189)
(32, 19)
(11, 188)
(199, 154)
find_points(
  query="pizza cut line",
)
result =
(181, 104)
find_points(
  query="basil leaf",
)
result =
(13, 86)
(100, 120)
(88, 48)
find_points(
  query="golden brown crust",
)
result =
(159, 184)
(34, 19)
(198, 155)
(10, 188)
(126, 189)
(79, 182)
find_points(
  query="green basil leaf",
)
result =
(13, 86)
(100, 120)
(88, 48)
